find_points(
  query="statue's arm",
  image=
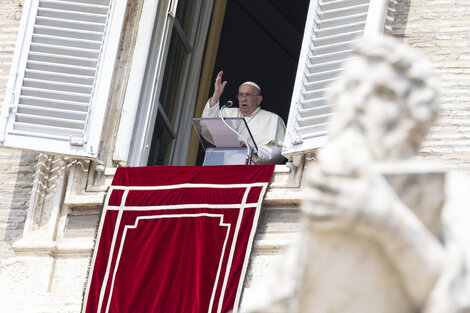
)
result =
(368, 206)
(414, 251)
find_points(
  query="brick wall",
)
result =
(441, 29)
(10, 14)
(17, 171)
(16, 168)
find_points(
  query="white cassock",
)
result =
(267, 128)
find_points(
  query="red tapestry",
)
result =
(175, 239)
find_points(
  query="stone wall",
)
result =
(438, 27)
(16, 179)
(16, 168)
(10, 15)
(441, 29)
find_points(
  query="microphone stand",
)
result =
(248, 149)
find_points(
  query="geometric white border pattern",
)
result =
(122, 208)
(219, 216)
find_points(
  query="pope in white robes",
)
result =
(267, 128)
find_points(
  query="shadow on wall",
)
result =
(17, 170)
(397, 17)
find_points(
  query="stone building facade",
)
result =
(440, 30)
(17, 167)
(50, 205)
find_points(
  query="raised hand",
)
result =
(337, 202)
(219, 87)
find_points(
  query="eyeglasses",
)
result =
(248, 96)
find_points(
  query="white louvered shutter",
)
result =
(61, 75)
(332, 27)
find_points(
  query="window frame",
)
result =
(86, 146)
(138, 115)
(294, 144)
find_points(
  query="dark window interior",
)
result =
(260, 41)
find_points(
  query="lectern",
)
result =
(228, 143)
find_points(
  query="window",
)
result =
(60, 76)
(64, 61)
(332, 27)
(174, 80)
(165, 104)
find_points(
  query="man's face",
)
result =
(384, 117)
(248, 99)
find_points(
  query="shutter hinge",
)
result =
(4, 121)
(297, 140)
(100, 166)
(172, 9)
(11, 109)
(77, 141)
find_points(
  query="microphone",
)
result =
(248, 149)
(227, 105)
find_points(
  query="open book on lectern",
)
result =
(225, 145)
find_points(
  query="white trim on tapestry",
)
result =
(248, 249)
(214, 290)
(113, 243)
(189, 185)
(122, 208)
(232, 251)
(138, 219)
(183, 206)
(96, 248)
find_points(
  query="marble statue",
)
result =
(384, 231)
